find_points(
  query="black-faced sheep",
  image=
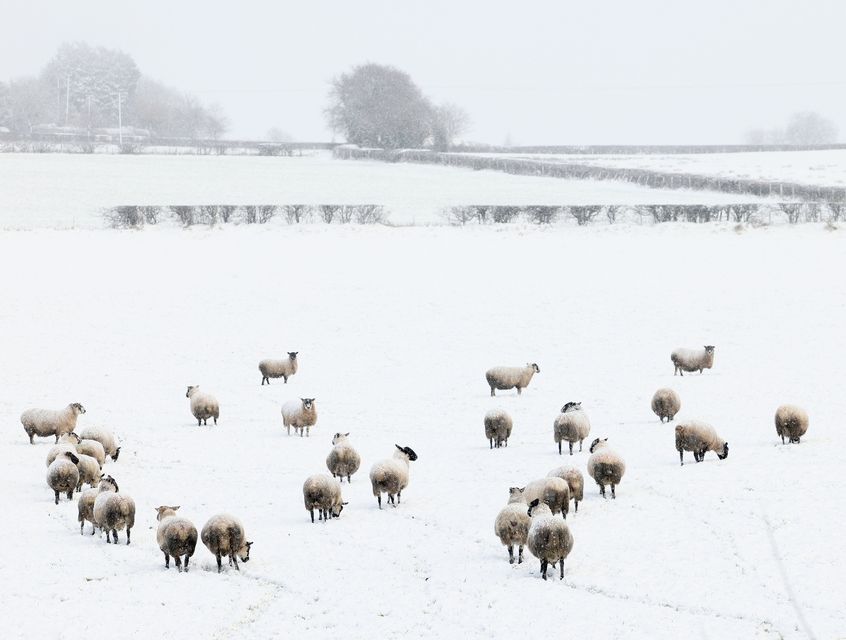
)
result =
(692, 359)
(113, 511)
(503, 378)
(48, 422)
(176, 537)
(278, 368)
(574, 479)
(203, 405)
(105, 437)
(554, 491)
(391, 475)
(605, 466)
(89, 471)
(791, 422)
(224, 535)
(498, 427)
(512, 524)
(699, 437)
(63, 475)
(85, 508)
(571, 425)
(58, 449)
(549, 538)
(343, 460)
(324, 494)
(300, 414)
(666, 404)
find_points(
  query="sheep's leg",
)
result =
(70, 494)
(520, 555)
(577, 506)
(559, 447)
(81, 526)
(167, 561)
(379, 498)
(311, 511)
(289, 429)
(178, 562)
(93, 529)
(399, 497)
(234, 559)
(57, 497)
(219, 563)
(127, 535)
(544, 564)
(492, 395)
(571, 448)
(491, 443)
(285, 378)
(511, 554)
(782, 439)
(114, 535)
(308, 432)
(57, 438)
(561, 564)
(602, 490)
(187, 558)
(519, 391)
(613, 495)
(580, 445)
(681, 456)
(215, 419)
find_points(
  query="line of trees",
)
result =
(802, 128)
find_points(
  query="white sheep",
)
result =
(324, 494)
(512, 524)
(692, 359)
(85, 508)
(498, 425)
(176, 536)
(300, 414)
(549, 538)
(503, 378)
(343, 460)
(203, 405)
(113, 510)
(92, 448)
(552, 490)
(89, 471)
(62, 474)
(699, 437)
(605, 466)
(572, 425)
(48, 422)
(224, 535)
(278, 368)
(574, 479)
(58, 449)
(666, 404)
(391, 475)
(791, 422)
(105, 437)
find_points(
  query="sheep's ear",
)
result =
(345, 503)
(249, 544)
(347, 433)
(534, 503)
(605, 440)
(176, 508)
(399, 447)
(522, 489)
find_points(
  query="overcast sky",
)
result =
(560, 72)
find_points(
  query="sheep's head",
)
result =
(292, 355)
(164, 511)
(340, 436)
(336, 509)
(534, 503)
(244, 552)
(534, 366)
(70, 456)
(70, 437)
(515, 494)
(191, 390)
(597, 444)
(725, 453)
(571, 406)
(709, 348)
(108, 484)
(408, 451)
(77, 408)
(117, 453)
(308, 403)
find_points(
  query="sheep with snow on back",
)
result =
(699, 437)
(554, 491)
(498, 427)
(113, 510)
(343, 460)
(48, 422)
(85, 508)
(572, 425)
(67, 442)
(512, 524)
(391, 475)
(203, 405)
(549, 538)
(63, 475)
(105, 437)
(278, 368)
(503, 378)
(300, 414)
(605, 466)
(224, 535)
(177, 536)
(92, 448)
(791, 422)
(89, 471)
(324, 494)
(575, 481)
(666, 404)
(692, 359)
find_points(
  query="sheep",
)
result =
(391, 475)
(85, 507)
(605, 466)
(549, 537)
(512, 524)
(503, 378)
(92, 448)
(278, 368)
(572, 425)
(89, 471)
(692, 359)
(342, 460)
(575, 481)
(666, 404)
(176, 536)
(224, 535)
(47, 422)
(699, 437)
(324, 494)
(58, 449)
(105, 437)
(554, 491)
(300, 414)
(113, 510)
(498, 427)
(791, 422)
(203, 405)
(62, 474)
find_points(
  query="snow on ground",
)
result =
(395, 328)
(63, 191)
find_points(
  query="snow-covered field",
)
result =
(395, 328)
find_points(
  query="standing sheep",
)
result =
(498, 427)
(575, 481)
(791, 422)
(503, 378)
(699, 437)
(85, 508)
(278, 368)
(58, 449)
(62, 474)
(300, 414)
(554, 491)
(203, 405)
(666, 404)
(113, 510)
(605, 466)
(549, 537)
(512, 524)
(391, 475)
(692, 359)
(176, 536)
(92, 448)
(343, 460)
(105, 437)
(48, 422)
(324, 494)
(572, 425)
(224, 535)
(89, 471)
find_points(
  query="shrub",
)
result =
(504, 214)
(584, 214)
(542, 214)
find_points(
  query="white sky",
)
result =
(544, 72)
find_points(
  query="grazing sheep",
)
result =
(554, 491)
(47, 422)
(113, 510)
(549, 538)
(324, 494)
(574, 479)
(203, 405)
(791, 422)
(224, 535)
(572, 425)
(58, 449)
(92, 448)
(300, 414)
(699, 437)
(512, 524)
(70, 438)
(62, 474)
(391, 475)
(278, 368)
(692, 359)
(343, 460)
(176, 536)
(605, 466)
(498, 427)
(503, 378)
(666, 404)
(85, 507)
(105, 437)
(89, 471)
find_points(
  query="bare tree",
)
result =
(809, 127)
(448, 122)
(275, 134)
(584, 214)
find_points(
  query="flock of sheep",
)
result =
(534, 516)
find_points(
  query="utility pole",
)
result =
(120, 120)
(67, 100)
